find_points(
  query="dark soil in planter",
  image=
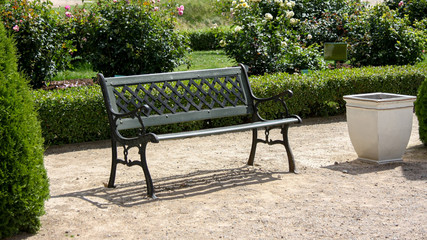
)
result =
(53, 85)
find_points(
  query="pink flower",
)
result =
(401, 3)
(16, 28)
(156, 9)
(114, 1)
(180, 13)
(68, 14)
(182, 7)
(67, 7)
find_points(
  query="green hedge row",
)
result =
(78, 114)
(206, 39)
(320, 93)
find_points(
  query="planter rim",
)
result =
(379, 97)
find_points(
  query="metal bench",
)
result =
(138, 102)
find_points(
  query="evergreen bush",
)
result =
(23, 179)
(421, 112)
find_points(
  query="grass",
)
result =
(206, 60)
(200, 60)
(79, 71)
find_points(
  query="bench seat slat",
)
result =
(220, 130)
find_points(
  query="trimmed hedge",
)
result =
(206, 39)
(78, 114)
(72, 115)
(320, 93)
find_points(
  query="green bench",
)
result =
(142, 101)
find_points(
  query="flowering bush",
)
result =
(266, 38)
(42, 49)
(124, 38)
(325, 20)
(383, 39)
(415, 9)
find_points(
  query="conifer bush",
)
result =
(23, 179)
(421, 112)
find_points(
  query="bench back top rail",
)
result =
(179, 96)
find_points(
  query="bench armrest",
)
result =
(134, 113)
(277, 98)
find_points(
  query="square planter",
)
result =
(379, 125)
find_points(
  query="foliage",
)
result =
(266, 38)
(383, 39)
(23, 179)
(325, 20)
(83, 117)
(207, 38)
(125, 38)
(414, 9)
(42, 48)
(421, 111)
(320, 92)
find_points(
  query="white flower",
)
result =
(237, 28)
(222, 43)
(284, 44)
(278, 1)
(268, 16)
(309, 36)
(293, 21)
(289, 14)
(233, 3)
(292, 3)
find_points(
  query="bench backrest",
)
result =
(179, 96)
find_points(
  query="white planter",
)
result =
(379, 125)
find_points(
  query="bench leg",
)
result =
(148, 180)
(113, 164)
(291, 159)
(253, 148)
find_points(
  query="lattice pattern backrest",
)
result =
(199, 94)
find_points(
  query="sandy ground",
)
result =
(206, 191)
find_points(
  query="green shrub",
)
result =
(134, 37)
(206, 39)
(421, 112)
(23, 180)
(78, 114)
(415, 9)
(265, 38)
(72, 115)
(325, 21)
(383, 39)
(320, 92)
(42, 48)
